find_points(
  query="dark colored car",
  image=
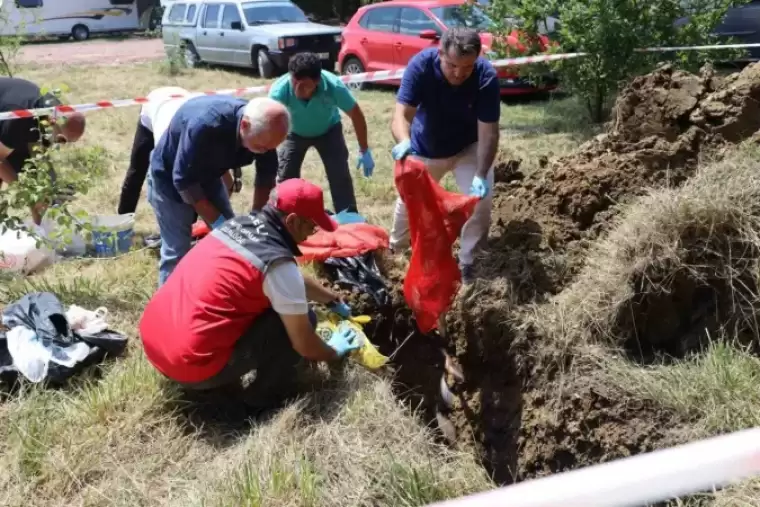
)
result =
(743, 25)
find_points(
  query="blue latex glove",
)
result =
(479, 187)
(402, 149)
(366, 162)
(219, 222)
(344, 340)
(348, 217)
(340, 308)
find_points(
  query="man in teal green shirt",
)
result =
(315, 98)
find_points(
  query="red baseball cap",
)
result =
(304, 199)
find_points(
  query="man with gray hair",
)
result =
(447, 113)
(206, 137)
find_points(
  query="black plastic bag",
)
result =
(359, 273)
(43, 313)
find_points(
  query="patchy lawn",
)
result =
(119, 438)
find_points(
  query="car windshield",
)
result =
(471, 17)
(257, 13)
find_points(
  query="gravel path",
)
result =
(105, 51)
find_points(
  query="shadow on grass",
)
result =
(221, 418)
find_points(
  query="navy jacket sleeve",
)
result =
(188, 164)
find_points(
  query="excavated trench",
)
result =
(492, 382)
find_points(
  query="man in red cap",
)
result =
(237, 302)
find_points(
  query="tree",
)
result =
(613, 32)
(37, 184)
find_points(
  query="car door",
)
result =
(207, 37)
(743, 24)
(233, 42)
(408, 42)
(380, 25)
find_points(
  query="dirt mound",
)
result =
(676, 269)
(504, 377)
(662, 123)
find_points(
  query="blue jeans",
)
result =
(175, 220)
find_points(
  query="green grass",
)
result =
(717, 389)
(116, 436)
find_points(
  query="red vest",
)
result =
(190, 326)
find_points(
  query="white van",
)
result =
(71, 18)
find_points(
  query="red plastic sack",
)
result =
(436, 218)
(348, 240)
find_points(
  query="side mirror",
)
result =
(429, 34)
(237, 25)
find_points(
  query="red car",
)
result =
(385, 36)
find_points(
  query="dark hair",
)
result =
(305, 66)
(464, 41)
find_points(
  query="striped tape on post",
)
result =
(640, 480)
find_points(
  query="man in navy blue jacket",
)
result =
(207, 136)
(447, 113)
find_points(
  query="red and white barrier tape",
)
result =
(640, 480)
(366, 77)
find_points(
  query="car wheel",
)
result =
(191, 56)
(80, 32)
(264, 64)
(353, 66)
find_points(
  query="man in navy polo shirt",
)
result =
(447, 113)
(206, 137)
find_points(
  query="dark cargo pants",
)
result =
(266, 348)
(332, 149)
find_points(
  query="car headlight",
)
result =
(284, 43)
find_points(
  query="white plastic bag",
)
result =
(85, 322)
(32, 359)
(19, 251)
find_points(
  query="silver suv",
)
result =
(259, 34)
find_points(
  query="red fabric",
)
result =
(200, 229)
(436, 218)
(190, 325)
(348, 240)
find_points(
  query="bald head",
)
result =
(265, 124)
(71, 127)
